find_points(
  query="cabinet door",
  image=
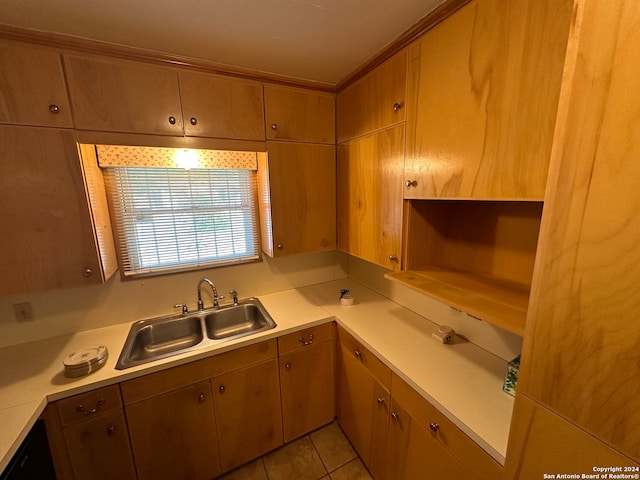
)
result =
(99, 448)
(221, 107)
(299, 115)
(414, 453)
(483, 89)
(32, 87)
(307, 385)
(120, 96)
(298, 191)
(248, 413)
(49, 239)
(363, 412)
(174, 435)
(374, 101)
(369, 192)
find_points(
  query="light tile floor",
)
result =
(324, 454)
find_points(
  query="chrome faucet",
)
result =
(215, 294)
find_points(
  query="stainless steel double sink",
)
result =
(161, 337)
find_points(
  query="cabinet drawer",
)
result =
(305, 338)
(465, 450)
(378, 369)
(165, 381)
(86, 405)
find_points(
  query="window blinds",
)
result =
(171, 219)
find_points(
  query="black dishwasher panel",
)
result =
(32, 461)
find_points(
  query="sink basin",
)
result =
(237, 320)
(156, 338)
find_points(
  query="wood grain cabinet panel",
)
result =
(294, 114)
(363, 405)
(370, 171)
(581, 354)
(174, 435)
(373, 102)
(297, 191)
(32, 87)
(54, 236)
(541, 442)
(483, 89)
(248, 413)
(415, 454)
(88, 436)
(119, 96)
(307, 384)
(221, 107)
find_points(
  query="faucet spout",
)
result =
(213, 289)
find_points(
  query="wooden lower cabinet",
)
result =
(248, 413)
(414, 454)
(307, 380)
(174, 435)
(88, 437)
(363, 404)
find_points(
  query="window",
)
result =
(172, 219)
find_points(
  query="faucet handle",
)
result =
(184, 307)
(234, 294)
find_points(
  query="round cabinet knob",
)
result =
(221, 388)
(172, 120)
(193, 121)
(380, 400)
(274, 126)
(111, 430)
(279, 246)
(357, 354)
(434, 427)
(397, 106)
(393, 258)
(394, 415)
(410, 183)
(54, 108)
(87, 272)
(287, 366)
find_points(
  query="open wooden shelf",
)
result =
(499, 302)
(475, 255)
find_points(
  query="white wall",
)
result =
(504, 344)
(61, 312)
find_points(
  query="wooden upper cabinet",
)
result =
(53, 238)
(119, 96)
(295, 114)
(32, 87)
(483, 89)
(221, 107)
(370, 196)
(297, 191)
(374, 101)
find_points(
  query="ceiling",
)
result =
(314, 40)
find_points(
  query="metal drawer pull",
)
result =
(287, 366)
(394, 415)
(302, 340)
(221, 388)
(201, 398)
(380, 400)
(81, 408)
(358, 354)
(53, 108)
(434, 427)
(111, 430)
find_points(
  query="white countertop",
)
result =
(461, 380)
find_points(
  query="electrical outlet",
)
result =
(23, 312)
